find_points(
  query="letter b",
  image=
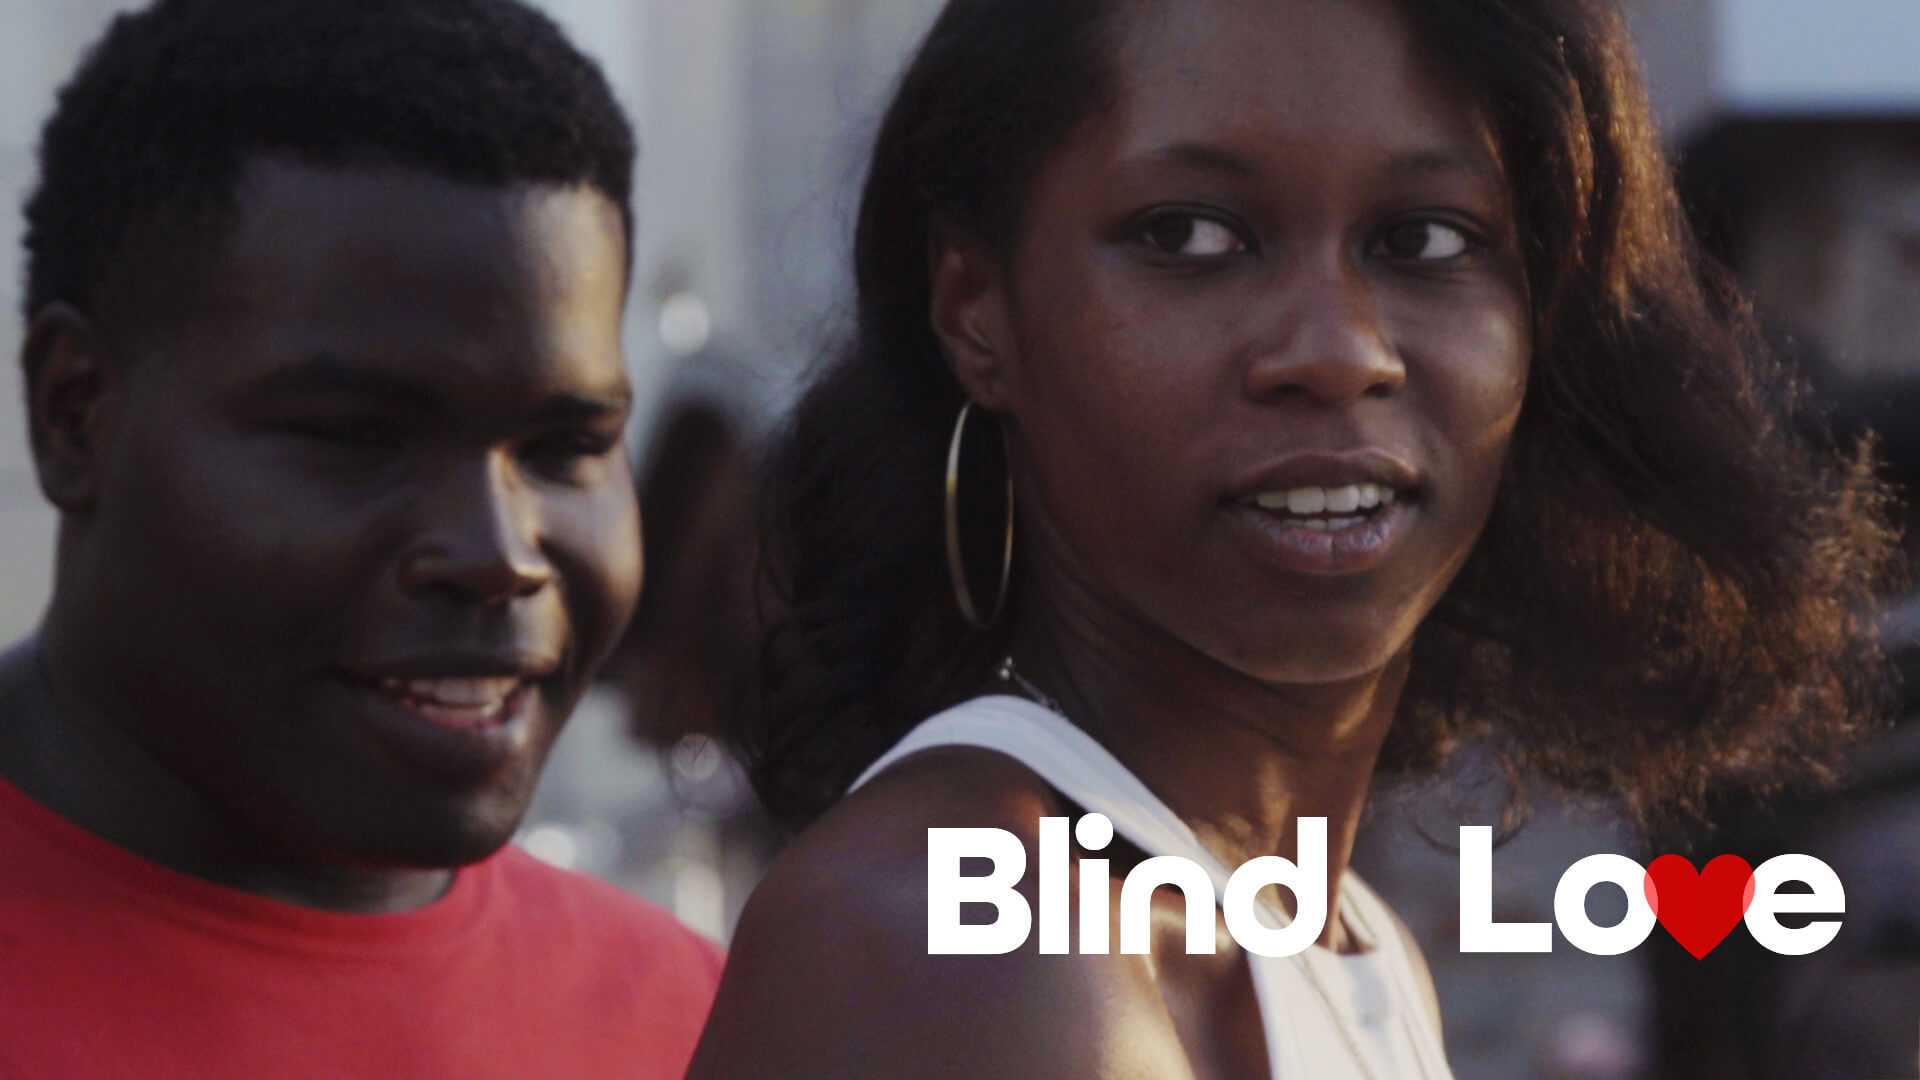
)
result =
(948, 889)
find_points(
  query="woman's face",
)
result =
(1263, 336)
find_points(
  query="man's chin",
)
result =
(474, 839)
(444, 838)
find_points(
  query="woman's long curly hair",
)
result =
(1676, 585)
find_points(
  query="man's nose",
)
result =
(1328, 340)
(478, 537)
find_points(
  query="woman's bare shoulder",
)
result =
(829, 973)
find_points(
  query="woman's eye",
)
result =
(1425, 241)
(1191, 236)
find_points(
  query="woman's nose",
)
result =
(1329, 343)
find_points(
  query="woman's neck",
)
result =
(1238, 759)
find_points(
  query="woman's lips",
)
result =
(1342, 540)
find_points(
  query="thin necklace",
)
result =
(1009, 673)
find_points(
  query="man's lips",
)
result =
(456, 702)
(459, 692)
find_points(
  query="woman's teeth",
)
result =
(1320, 500)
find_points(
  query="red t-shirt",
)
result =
(113, 966)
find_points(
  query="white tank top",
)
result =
(1319, 1009)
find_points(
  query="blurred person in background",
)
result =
(1821, 219)
(324, 376)
(686, 663)
(646, 791)
(1562, 1015)
(1211, 269)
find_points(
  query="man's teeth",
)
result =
(1318, 500)
(471, 693)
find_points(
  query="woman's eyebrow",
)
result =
(1206, 157)
(1440, 161)
(1412, 164)
(1200, 156)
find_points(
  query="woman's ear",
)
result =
(67, 382)
(970, 316)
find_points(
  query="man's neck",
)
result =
(61, 749)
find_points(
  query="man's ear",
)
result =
(68, 376)
(971, 316)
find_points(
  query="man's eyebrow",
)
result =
(328, 373)
(583, 408)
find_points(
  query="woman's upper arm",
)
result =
(829, 976)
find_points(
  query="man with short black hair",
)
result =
(324, 377)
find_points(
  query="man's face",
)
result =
(364, 524)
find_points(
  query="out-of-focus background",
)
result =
(1799, 123)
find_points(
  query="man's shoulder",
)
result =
(554, 901)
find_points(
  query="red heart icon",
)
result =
(1699, 908)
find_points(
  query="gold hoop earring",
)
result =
(956, 567)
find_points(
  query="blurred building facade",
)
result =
(754, 118)
(754, 115)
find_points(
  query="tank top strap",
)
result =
(1070, 761)
(1374, 920)
(1077, 766)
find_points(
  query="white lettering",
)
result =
(1828, 898)
(1308, 883)
(1570, 905)
(947, 890)
(1478, 932)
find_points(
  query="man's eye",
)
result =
(357, 432)
(563, 454)
(566, 446)
(1425, 241)
(1191, 236)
